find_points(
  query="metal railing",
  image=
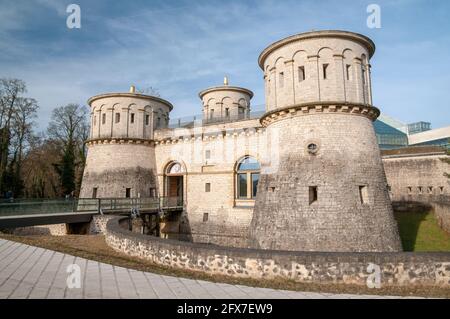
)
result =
(201, 120)
(12, 207)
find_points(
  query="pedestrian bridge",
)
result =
(34, 212)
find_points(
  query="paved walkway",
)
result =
(32, 272)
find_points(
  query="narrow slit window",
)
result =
(152, 192)
(117, 118)
(363, 76)
(301, 74)
(208, 187)
(94, 192)
(132, 118)
(95, 119)
(363, 194)
(211, 114)
(103, 118)
(158, 122)
(128, 192)
(147, 119)
(227, 112)
(430, 190)
(281, 77)
(205, 217)
(420, 189)
(312, 194)
(348, 68)
(324, 69)
(409, 190)
(441, 189)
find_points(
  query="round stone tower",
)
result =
(324, 189)
(225, 102)
(121, 154)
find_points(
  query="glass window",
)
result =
(242, 185)
(248, 164)
(247, 177)
(175, 168)
(255, 179)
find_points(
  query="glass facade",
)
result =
(389, 137)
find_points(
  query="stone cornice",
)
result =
(119, 140)
(362, 39)
(225, 88)
(310, 108)
(210, 136)
(132, 95)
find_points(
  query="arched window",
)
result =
(247, 177)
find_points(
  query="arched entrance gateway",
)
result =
(174, 181)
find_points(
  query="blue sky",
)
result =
(182, 47)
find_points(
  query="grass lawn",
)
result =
(421, 232)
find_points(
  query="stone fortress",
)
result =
(307, 175)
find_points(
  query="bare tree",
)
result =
(69, 126)
(10, 91)
(149, 91)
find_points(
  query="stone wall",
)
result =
(416, 176)
(53, 230)
(217, 216)
(396, 269)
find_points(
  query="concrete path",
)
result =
(32, 272)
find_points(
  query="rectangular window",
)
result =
(347, 71)
(363, 194)
(227, 112)
(211, 114)
(420, 189)
(205, 217)
(207, 154)
(242, 185)
(147, 119)
(158, 122)
(94, 192)
(132, 118)
(363, 76)
(301, 74)
(281, 82)
(312, 194)
(255, 179)
(103, 118)
(152, 192)
(430, 190)
(95, 119)
(117, 118)
(441, 188)
(208, 187)
(324, 69)
(128, 192)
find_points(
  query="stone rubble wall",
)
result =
(396, 269)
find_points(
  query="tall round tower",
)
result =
(225, 102)
(326, 190)
(121, 154)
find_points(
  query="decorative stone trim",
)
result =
(365, 110)
(210, 135)
(362, 39)
(225, 88)
(396, 269)
(119, 140)
(133, 95)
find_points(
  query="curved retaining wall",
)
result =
(396, 268)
